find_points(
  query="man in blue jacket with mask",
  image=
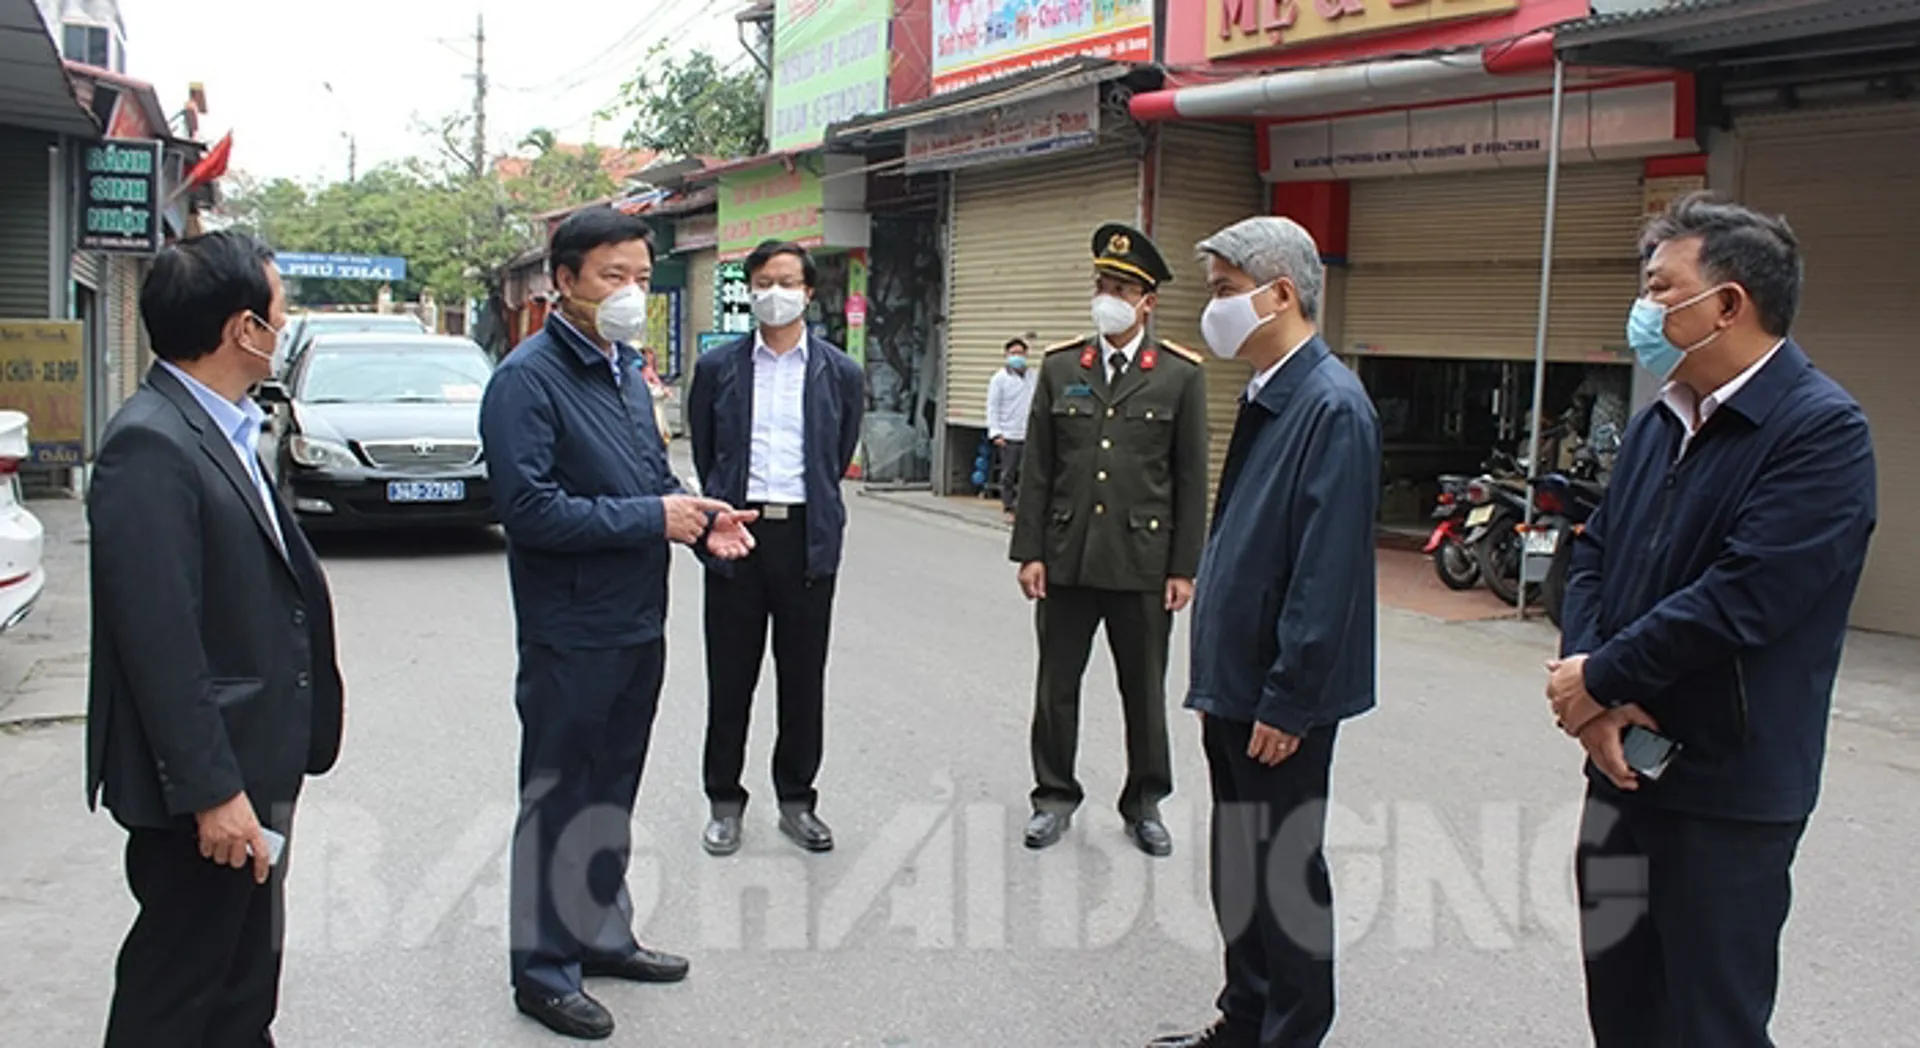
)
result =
(590, 506)
(1707, 605)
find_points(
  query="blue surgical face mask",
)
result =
(1647, 334)
(1017, 362)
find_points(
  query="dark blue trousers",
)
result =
(1680, 919)
(586, 716)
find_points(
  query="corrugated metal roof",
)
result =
(1694, 32)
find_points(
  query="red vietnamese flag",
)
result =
(213, 165)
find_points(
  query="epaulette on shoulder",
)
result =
(1179, 350)
(1072, 343)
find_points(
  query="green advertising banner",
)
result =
(770, 203)
(831, 63)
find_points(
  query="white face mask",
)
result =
(1113, 314)
(277, 358)
(622, 316)
(1227, 323)
(776, 307)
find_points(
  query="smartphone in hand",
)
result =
(1648, 753)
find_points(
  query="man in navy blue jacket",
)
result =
(1283, 631)
(580, 477)
(1708, 602)
(775, 420)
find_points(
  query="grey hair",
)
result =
(1267, 249)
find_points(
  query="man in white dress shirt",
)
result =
(1009, 398)
(775, 420)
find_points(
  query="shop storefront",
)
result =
(1811, 124)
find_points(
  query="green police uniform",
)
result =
(1113, 501)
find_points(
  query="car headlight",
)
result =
(314, 453)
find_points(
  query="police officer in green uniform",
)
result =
(1111, 519)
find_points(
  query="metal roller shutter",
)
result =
(700, 274)
(23, 223)
(1845, 180)
(1209, 179)
(1449, 265)
(1021, 258)
(123, 325)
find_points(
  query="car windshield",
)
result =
(400, 375)
(337, 323)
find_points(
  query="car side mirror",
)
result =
(273, 392)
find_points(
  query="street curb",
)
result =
(933, 509)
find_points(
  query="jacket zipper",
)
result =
(1740, 694)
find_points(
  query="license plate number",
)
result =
(426, 490)
(1479, 516)
(1542, 543)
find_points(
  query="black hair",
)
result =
(197, 285)
(1738, 246)
(1012, 342)
(592, 227)
(771, 249)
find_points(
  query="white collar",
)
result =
(1260, 381)
(1133, 346)
(760, 345)
(1680, 398)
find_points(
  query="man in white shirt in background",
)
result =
(1009, 399)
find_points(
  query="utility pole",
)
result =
(479, 95)
(353, 159)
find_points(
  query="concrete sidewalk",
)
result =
(43, 661)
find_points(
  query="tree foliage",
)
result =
(453, 229)
(691, 106)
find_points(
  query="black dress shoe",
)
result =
(1046, 828)
(805, 829)
(722, 836)
(642, 965)
(1219, 1035)
(1152, 837)
(571, 1015)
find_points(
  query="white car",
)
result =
(21, 536)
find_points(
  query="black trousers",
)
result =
(586, 718)
(1271, 892)
(768, 588)
(1138, 629)
(1009, 454)
(1680, 919)
(201, 966)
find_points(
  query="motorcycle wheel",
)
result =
(1553, 590)
(1499, 555)
(1456, 566)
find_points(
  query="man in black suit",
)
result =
(775, 420)
(214, 687)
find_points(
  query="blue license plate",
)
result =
(426, 490)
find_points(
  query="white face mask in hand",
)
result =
(1227, 323)
(622, 316)
(778, 306)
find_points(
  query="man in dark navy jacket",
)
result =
(1283, 631)
(775, 419)
(1708, 601)
(581, 480)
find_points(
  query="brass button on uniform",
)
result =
(1099, 508)
(1100, 476)
(1110, 412)
(1149, 415)
(1154, 524)
(1106, 444)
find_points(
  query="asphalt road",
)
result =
(931, 925)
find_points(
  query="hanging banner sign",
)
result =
(120, 197)
(342, 267)
(831, 64)
(1050, 124)
(1237, 27)
(978, 40)
(732, 305)
(770, 203)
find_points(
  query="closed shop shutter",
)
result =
(123, 325)
(1022, 262)
(23, 223)
(90, 268)
(1449, 265)
(1209, 179)
(1845, 180)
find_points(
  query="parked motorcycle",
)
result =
(1563, 503)
(1499, 499)
(1453, 559)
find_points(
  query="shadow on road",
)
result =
(385, 545)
